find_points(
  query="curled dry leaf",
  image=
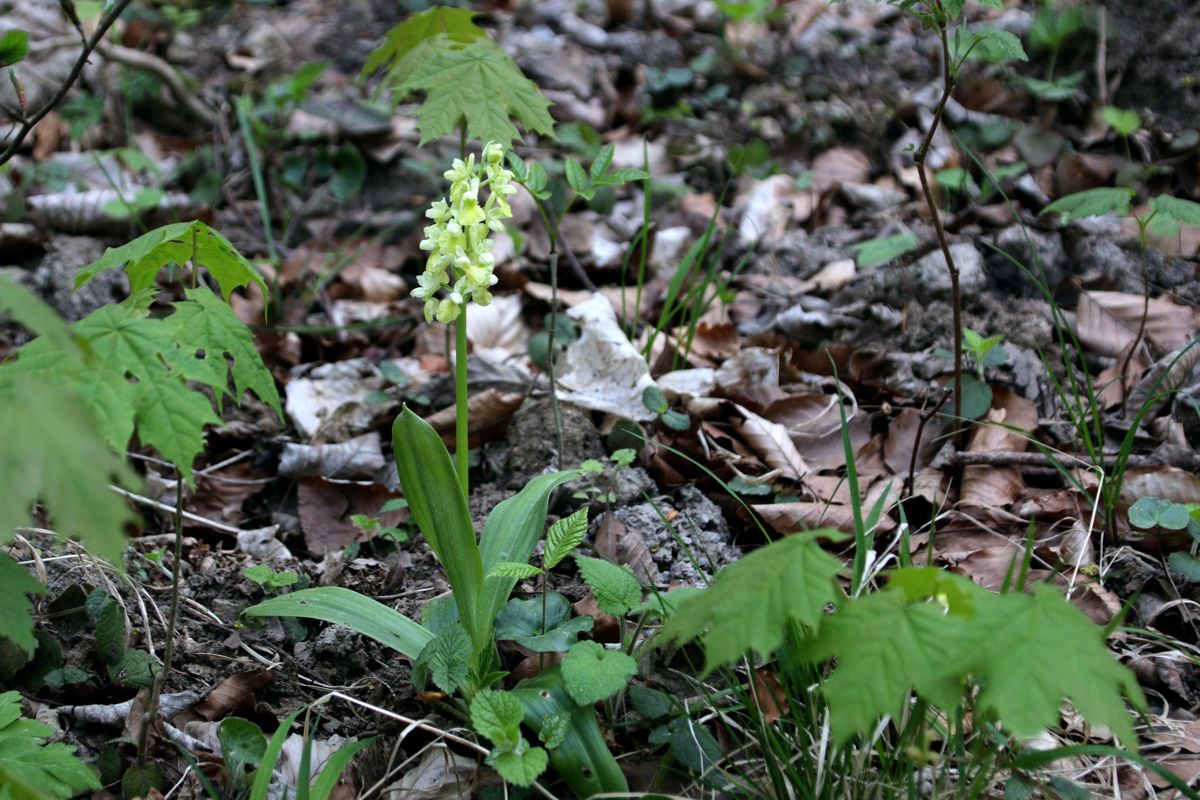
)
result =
(486, 412)
(326, 508)
(233, 696)
(618, 543)
(602, 370)
(990, 486)
(794, 517)
(496, 331)
(771, 442)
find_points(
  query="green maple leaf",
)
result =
(477, 83)
(755, 599)
(885, 646)
(211, 324)
(52, 452)
(455, 23)
(16, 612)
(30, 769)
(1034, 650)
(178, 243)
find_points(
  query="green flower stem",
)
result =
(460, 400)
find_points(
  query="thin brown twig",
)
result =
(30, 123)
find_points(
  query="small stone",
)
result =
(931, 278)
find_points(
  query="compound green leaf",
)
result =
(521, 766)
(16, 612)
(1183, 211)
(177, 243)
(885, 646)
(593, 673)
(616, 588)
(1033, 651)
(564, 536)
(29, 768)
(753, 601)
(476, 82)
(209, 327)
(1091, 203)
(52, 452)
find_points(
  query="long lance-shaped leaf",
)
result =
(511, 533)
(435, 498)
(356, 611)
(583, 759)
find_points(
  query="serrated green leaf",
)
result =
(650, 703)
(210, 328)
(1032, 651)
(753, 601)
(577, 179)
(1055, 91)
(564, 536)
(14, 46)
(497, 715)
(602, 162)
(660, 605)
(52, 451)
(1091, 203)
(619, 177)
(447, 657)
(517, 165)
(537, 180)
(693, 745)
(884, 646)
(554, 729)
(1183, 211)
(477, 83)
(16, 612)
(31, 311)
(995, 46)
(521, 766)
(514, 569)
(177, 243)
(616, 587)
(136, 668)
(455, 23)
(29, 768)
(521, 622)
(592, 673)
(878, 251)
(110, 633)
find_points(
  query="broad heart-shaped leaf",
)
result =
(435, 498)
(1091, 203)
(884, 646)
(593, 673)
(510, 534)
(521, 622)
(352, 610)
(564, 536)
(476, 82)
(497, 715)
(753, 600)
(16, 612)
(447, 658)
(31, 769)
(456, 23)
(177, 243)
(1032, 651)
(616, 588)
(53, 451)
(521, 766)
(1183, 211)
(211, 326)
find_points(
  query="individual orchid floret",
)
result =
(460, 264)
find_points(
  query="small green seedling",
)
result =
(375, 529)
(984, 352)
(273, 582)
(593, 467)
(654, 400)
(1124, 123)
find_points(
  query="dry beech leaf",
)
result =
(716, 340)
(839, 165)
(769, 695)
(794, 517)
(806, 413)
(616, 542)
(1108, 322)
(1112, 393)
(325, 509)
(991, 486)
(1169, 483)
(233, 696)
(1166, 375)
(486, 411)
(771, 442)
(496, 330)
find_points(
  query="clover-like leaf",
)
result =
(592, 673)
